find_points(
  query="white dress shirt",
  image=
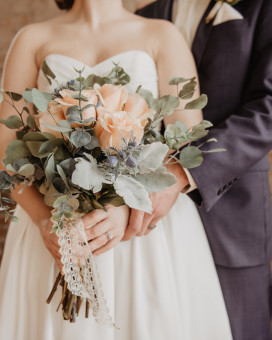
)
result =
(186, 16)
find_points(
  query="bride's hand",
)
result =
(106, 224)
(51, 242)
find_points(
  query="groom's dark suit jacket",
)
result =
(234, 61)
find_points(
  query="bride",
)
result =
(161, 286)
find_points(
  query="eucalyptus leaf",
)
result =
(15, 150)
(215, 150)
(188, 90)
(80, 96)
(49, 169)
(58, 128)
(157, 180)
(38, 136)
(166, 104)
(148, 96)
(31, 122)
(80, 138)
(68, 166)
(12, 122)
(14, 96)
(49, 74)
(27, 170)
(94, 143)
(152, 156)
(1, 97)
(50, 145)
(197, 104)
(41, 99)
(134, 193)
(190, 157)
(27, 95)
(34, 148)
(62, 175)
(179, 80)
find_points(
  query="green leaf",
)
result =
(190, 157)
(166, 105)
(27, 95)
(80, 96)
(148, 96)
(178, 80)
(14, 219)
(133, 193)
(215, 150)
(157, 180)
(188, 90)
(62, 175)
(1, 97)
(197, 104)
(14, 96)
(80, 138)
(41, 99)
(60, 201)
(31, 122)
(34, 148)
(12, 122)
(94, 79)
(152, 156)
(58, 128)
(49, 74)
(38, 136)
(17, 149)
(50, 145)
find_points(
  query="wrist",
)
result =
(182, 179)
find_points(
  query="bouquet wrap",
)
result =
(80, 269)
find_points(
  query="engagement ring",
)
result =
(109, 236)
(152, 226)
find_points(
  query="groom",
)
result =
(233, 54)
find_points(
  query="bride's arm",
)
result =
(174, 59)
(21, 72)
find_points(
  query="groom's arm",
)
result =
(247, 133)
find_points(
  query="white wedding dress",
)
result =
(160, 287)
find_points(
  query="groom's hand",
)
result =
(162, 202)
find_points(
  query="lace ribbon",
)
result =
(80, 269)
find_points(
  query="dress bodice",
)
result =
(138, 64)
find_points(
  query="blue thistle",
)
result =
(113, 161)
(132, 161)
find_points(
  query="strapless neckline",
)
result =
(121, 54)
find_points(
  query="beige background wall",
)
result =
(15, 14)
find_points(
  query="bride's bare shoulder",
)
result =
(31, 37)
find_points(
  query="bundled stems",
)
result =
(70, 303)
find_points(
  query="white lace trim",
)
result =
(80, 269)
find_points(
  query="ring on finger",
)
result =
(109, 236)
(152, 226)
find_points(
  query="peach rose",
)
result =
(67, 100)
(137, 106)
(112, 127)
(119, 115)
(52, 117)
(112, 97)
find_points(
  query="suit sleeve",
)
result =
(247, 133)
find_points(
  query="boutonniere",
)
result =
(218, 6)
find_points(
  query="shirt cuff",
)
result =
(192, 184)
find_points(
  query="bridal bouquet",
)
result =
(88, 144)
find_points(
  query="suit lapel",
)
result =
(202, 36)
(164, 9)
